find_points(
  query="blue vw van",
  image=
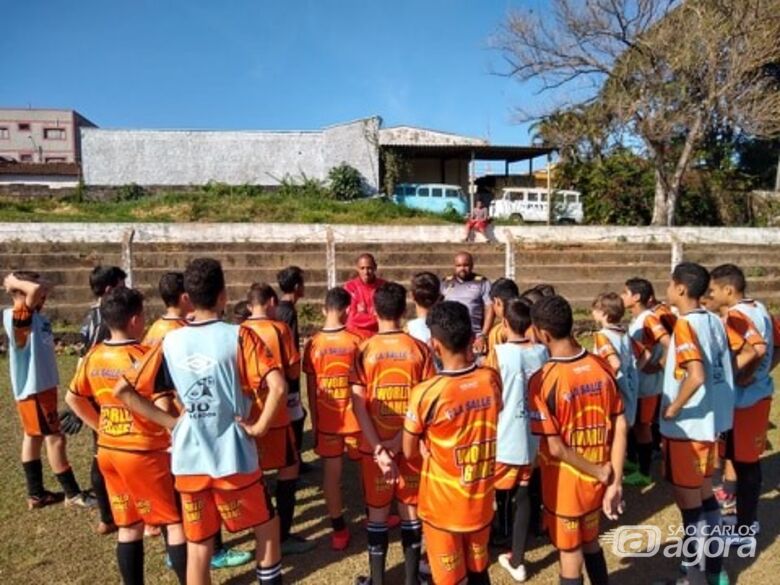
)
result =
(436, 197)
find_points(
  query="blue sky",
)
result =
(261, 64)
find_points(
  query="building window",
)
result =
(4, 135)
(25, 158)
(54, 133)
(24, 127)
(55, 159)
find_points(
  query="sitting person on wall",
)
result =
(477, 220)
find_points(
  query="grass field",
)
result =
(57, 545)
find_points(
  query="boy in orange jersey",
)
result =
(578, 414)
(177, 307)
(452, 420)
(132, 452)
(216, 369)
(387, 367)
(328, 358)
(277, 448)
(747, 440)
(34, 379)
(501, 291)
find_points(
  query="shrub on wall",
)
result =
(346, 183)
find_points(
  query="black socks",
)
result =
(644, 453)
(33, 475)
(520, 526)
(101, 495)
(338, 524)
(285, 504)
(177, 553)
(270, 575)
(411, 538)
(68, 482)
(749, 480)
(596, 566)
(130, 558)
(377, 551)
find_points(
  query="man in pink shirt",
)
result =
(360, 315)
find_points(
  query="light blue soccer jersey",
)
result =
(762, 385)
(648, 384)
(418, 329)
(202, 360)
(516, 364)
(628, 376)
(34, 366)
(710, 411)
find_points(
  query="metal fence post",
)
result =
(509, 254)
(330, 257)
(127, 255)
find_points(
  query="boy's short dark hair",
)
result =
(288, 278)
(390, 301)
(538, 292)
(241, 312)
(518, 315)
(694, 277)
(450, 324)
(611, 305)
(553, 315)
(504, 289)
(337, 299)
(119, 305)
(204, 281)
(426, 289)
(261, 293)
(171, 288)
(641, 287)
(103, 277)
(730, 274)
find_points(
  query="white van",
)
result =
(523, 204)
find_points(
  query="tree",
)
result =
(657, 70)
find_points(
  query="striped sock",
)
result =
(377, 550)
(411, 538)
(270, 575)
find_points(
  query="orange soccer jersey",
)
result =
(665, 316)
(456, 415)
(278, 338)
(574, 398)
(389, 365)
(96, 377)
(161, 328)
(496, 336)
(329, 357)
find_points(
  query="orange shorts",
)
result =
(509, 476)
(39, 414)
(747, 440)
(238, 501)
(276, 449)
(452, 555)
(140, 486)
(378, 493)
(568, 534)
(687, 464)
(331, 445)
(647, 410)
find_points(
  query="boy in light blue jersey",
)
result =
(217, 370)
(516, 360)
(425, 293)
(697, 406)
(34, 379)
(754, 387)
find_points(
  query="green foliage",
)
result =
(346, 183)
(617, 188)
(394, 168)
(131, 192)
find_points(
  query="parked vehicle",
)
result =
(436, 197)
(529, 205)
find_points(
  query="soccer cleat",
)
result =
(228, 557)
(82, 500)
(47, 498)
(721, 578)
(726, 500)
(423, 567)
(637, 479)
(630, 467)
(517, 573)
(296, 545)
(339, 539)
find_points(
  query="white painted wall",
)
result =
(53, 182)
(179, 157)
